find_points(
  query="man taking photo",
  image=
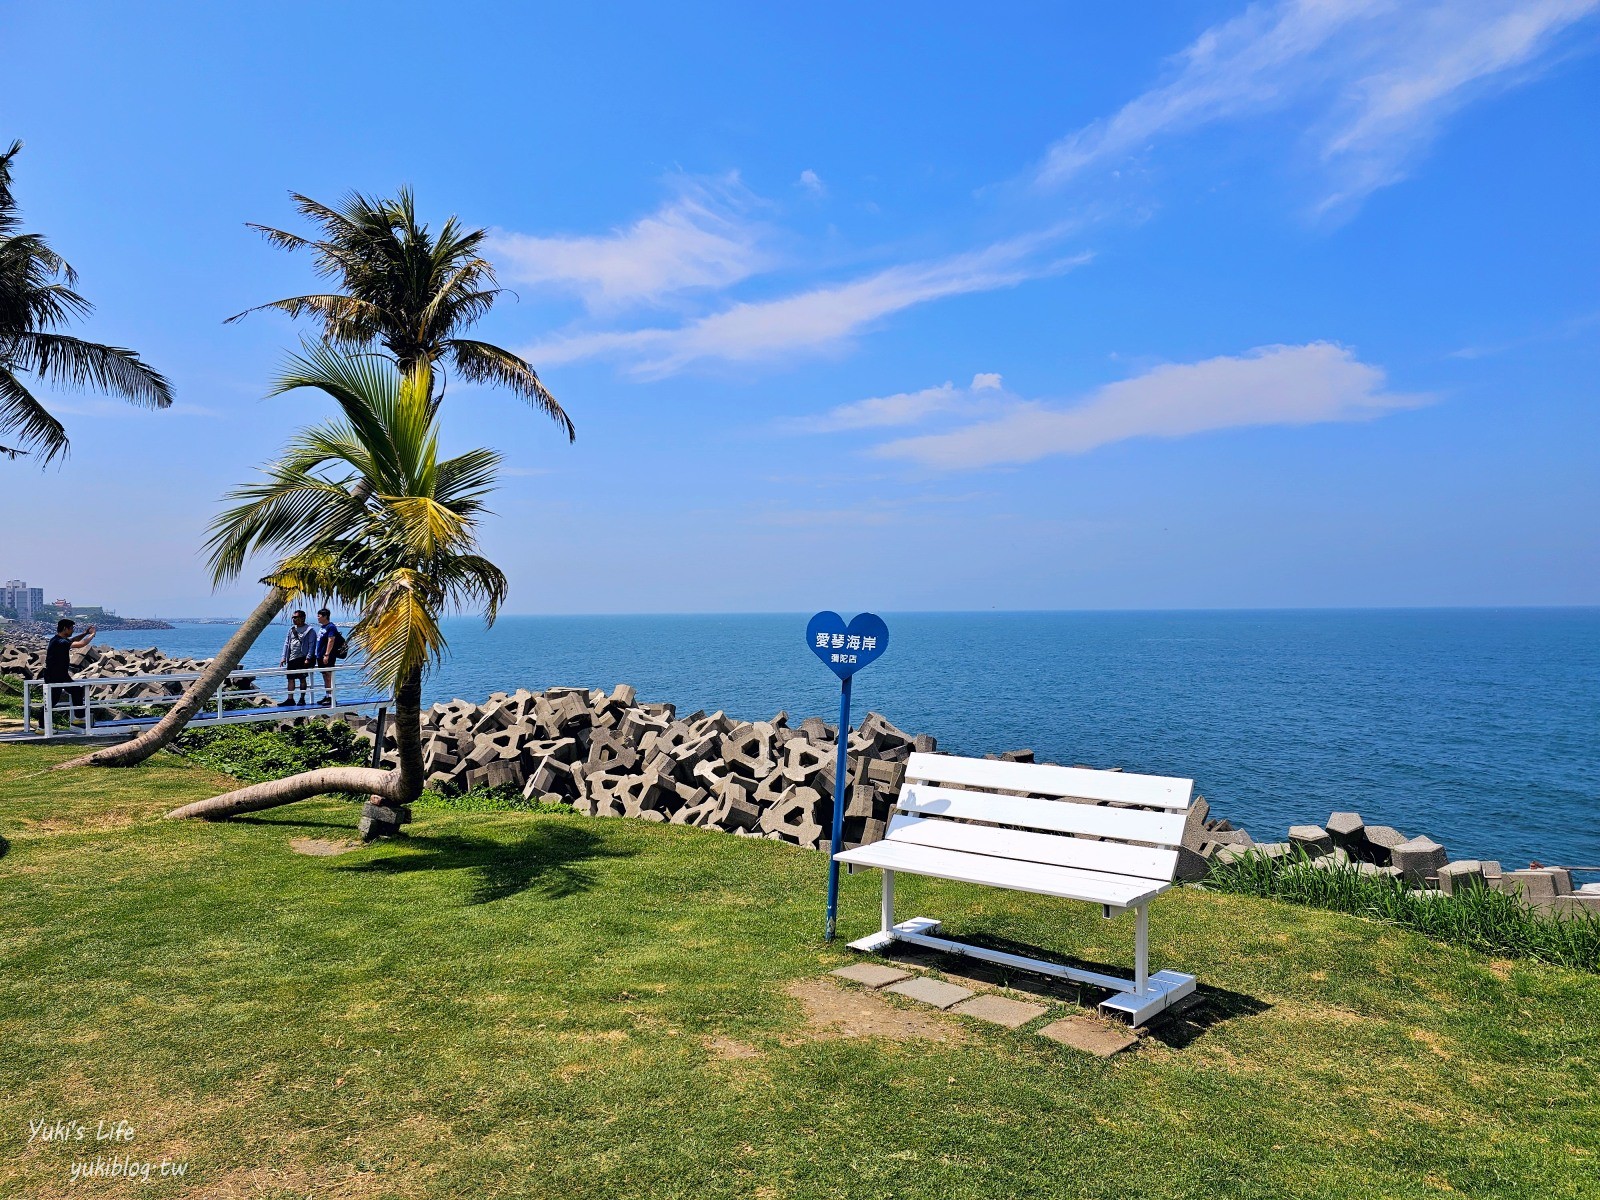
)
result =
(58, 661)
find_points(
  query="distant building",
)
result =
(26, 602)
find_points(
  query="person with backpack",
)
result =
(331, 647)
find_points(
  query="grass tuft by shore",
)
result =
(1485, 920)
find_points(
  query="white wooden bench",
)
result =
(1104, 837)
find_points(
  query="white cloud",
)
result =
(812, 182)
(1272, 385)
(811, 321)
(701, 239)
(1380, 76)
(903, 408)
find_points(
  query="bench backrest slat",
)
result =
(1112, 858)
(1055, 816)
(1106, 822)
(1079, 783)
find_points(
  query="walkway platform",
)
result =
(56, 724)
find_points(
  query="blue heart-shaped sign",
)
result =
(845, 649)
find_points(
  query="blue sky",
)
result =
(1028, 306)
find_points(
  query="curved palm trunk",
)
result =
(408, 737)
(134, 752)
(359, 781)
(392, 788)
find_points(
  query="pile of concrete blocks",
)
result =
(1344, 839)
(607, 754)
(1207, 839)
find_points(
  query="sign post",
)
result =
(844, 650)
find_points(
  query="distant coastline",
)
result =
(27, 631)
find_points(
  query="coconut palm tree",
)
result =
(407, 290)
(37, 298)
(404, 558)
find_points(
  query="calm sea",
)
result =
(1480, 728)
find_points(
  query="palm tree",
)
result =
(406, 290)
(36, 300)
(404, 558)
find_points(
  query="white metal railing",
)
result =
(80, 718)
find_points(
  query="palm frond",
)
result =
(462, 481)
(399, 629)
(406, 288)
(346, 320)
(427, 527)
(73, 362)
(26, 421)
(285, 512)
(481, 362)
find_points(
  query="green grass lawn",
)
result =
(531, 1004)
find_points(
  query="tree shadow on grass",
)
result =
(551, 859)
(296, 824)
(4, 846)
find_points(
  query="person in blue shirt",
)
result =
(299, 650)
(329, 640)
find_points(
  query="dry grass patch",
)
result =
(835, 1012)
(321, 847)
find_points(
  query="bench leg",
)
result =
(1141, 950)
(888, 901)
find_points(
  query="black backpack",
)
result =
(337, 647)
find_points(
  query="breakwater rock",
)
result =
(26, 659)
(607, 754)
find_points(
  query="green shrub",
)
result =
(489, 799)
(11, 696)
(1479, 917)
(256, 753)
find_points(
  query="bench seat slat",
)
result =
(1058, 816)
(1068, 883)
(1151, 791)
(1111, 858)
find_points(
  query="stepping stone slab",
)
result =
(1091, 1036)
(931, 991)
(1010, 1013)
(873, 975)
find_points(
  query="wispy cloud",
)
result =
(811, 182)
(1271, 385)
(703, 238)
(904, 408)
(1571, 327)
(816, 320)
(1378, 77)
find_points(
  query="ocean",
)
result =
(1478, 727)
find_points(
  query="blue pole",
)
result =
(841, 796)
